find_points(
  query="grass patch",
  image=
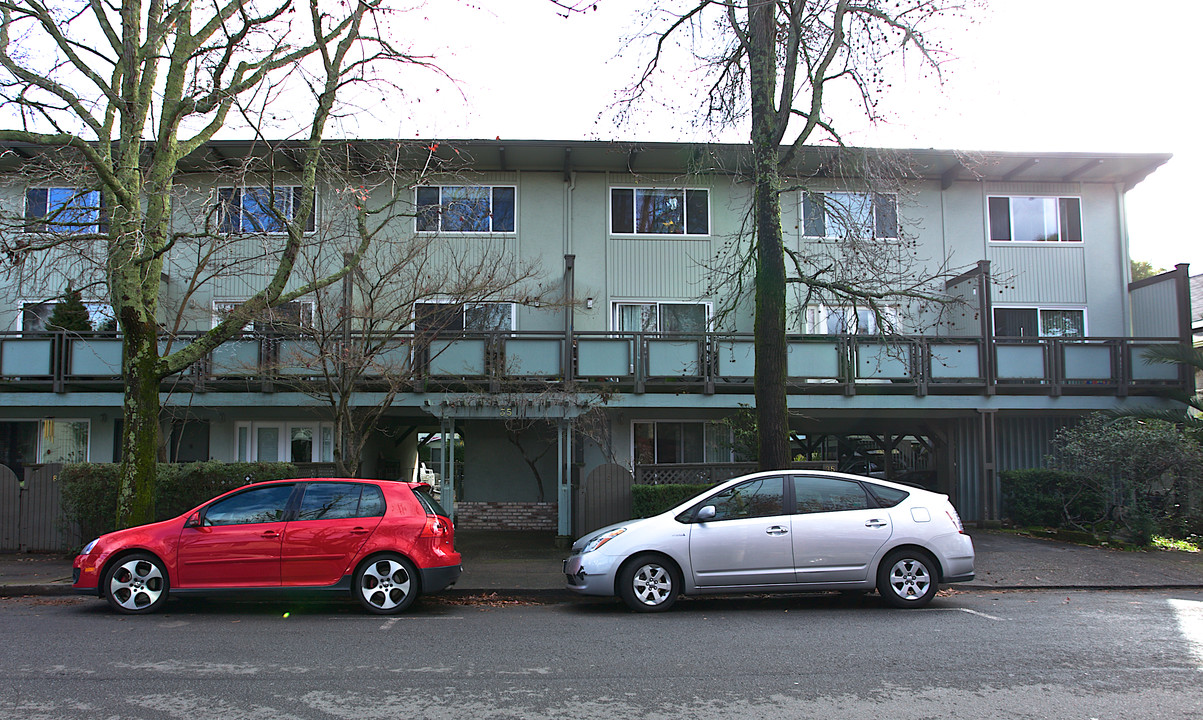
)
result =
(1191, 544)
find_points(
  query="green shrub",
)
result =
(1049, 498)
(90, 489)
(648, 500)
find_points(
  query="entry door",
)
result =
(238, 541)
(835, 532)
(748, 540)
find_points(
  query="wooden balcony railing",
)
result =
(621, 362)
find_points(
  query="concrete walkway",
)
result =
(522, 563)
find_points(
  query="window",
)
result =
(762, 497)
(1035, 219)
(1039, 322)
(261, 505)
(661, 317)
(667, 442)
(284, 441)
(35, 315)
(849, 215)
(286, 318)
(659, 211)
(466, 208)
(27, 442)
(65, 211)
(827, 320)
(259, 209)
(819, 494)
(339, 501)
(433, 318)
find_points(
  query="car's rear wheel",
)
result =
(908, 579)
(136, 584)
(386, 584)
(649, 583)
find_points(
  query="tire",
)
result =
(908, 579)
(136, 584)
(649, 583)
(386, 584)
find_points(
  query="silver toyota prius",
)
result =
(780, 531)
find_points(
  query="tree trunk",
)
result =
(140, 441)
(771, 406)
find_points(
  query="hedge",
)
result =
(1049, 498)
(90, 489)
(648, 500)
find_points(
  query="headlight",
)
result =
(88, 548)
(602, 539)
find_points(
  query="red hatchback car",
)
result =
(384, 541)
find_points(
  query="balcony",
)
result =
(711, 363)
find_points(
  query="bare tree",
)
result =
(774, 66)
(117, 96)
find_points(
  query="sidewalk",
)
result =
(529, 563)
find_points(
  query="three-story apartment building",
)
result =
(623, 353)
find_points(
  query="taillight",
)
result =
(436, 527)
(956, 520)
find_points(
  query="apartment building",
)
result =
(571, 321)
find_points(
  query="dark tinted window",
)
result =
(261, 505)
(431, 505)
(371, 503)
(622, 211)
(762, 497)
(820, 494)
(887, 497)
(330, 501)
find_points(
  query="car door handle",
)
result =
(359, 531)
(269, 534)
(875, 523)
(776, 530)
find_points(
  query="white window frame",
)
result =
(223, 306)
(817, 316)
(1040, 310)
(1056, 200)
(98, 313)
(869, 229)
(323, 439)
(41, 427)
(36, 224)
(616, 305)
(439, 229)
(293, 193)
(635, 189)
(464, 310)
(727, 453)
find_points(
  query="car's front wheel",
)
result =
(907, 579)
(386, 584)
(136, 584)
(649, 583)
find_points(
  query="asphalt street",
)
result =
(997, 654)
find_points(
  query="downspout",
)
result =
(1125, 256)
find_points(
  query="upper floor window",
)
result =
(431, 318)
(259, 209)
(845, 320)
(466, 208)
(661, 317)
(62, 210)
(849, 215)
(287, 318)
(1039, 322)
(1035, 219)
(35, 316)
(659, 211)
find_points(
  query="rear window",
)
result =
(885, 496)
(432, 506)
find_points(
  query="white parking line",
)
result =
(967, 610)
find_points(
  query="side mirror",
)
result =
(706, 513)
(193, 520)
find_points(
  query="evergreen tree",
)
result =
(70, 313)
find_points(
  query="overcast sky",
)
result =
(1030, 75)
